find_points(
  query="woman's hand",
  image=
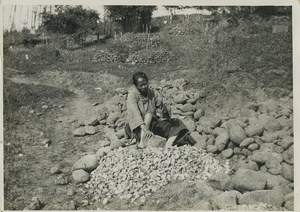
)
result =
(147, 134)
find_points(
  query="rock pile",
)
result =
(131, 174)
(258, 137)
(105, 56)
(151, 57)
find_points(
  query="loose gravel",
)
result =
(132, 174)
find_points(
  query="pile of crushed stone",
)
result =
(132, 174)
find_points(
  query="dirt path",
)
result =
(79, 108)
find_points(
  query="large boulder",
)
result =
(246, 164)
(275, 180)
(272, 197)
(254, 129)
(222, 141)
(226, 199)
(80, 176)
(237, 134)
(221, 181)
(87, 163)
(262, 157)
(248, 180)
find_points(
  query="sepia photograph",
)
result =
(148, 107)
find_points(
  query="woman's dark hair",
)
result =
(138, 75)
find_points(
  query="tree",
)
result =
(70, 20)
(131, 18)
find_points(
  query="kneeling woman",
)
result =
(147, 115)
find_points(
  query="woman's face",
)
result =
(142, 85)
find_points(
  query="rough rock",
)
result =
(271, 137)
(199, 128)
(79, 131)
(221, 181)
(273, 126)
(90, 130)
(246, 164)
(113, 117)
(248, 180)
(248, 113)
(211, 140)
(226, 199)
(253, 147)
(80, 176)
(222, 141)
(71, 191)
(201, 140)
(180, 98)
(246, 152)
(254, 129)
(156, 141)
(288, 171)
(288, 155)
(237, 134)
(275, 180)
(262, 157)
(289, 205)
(273, 197)
(219, 130)
(103, 143)
(287, 142)
(116, 143)
(289, 201)
(198, 114)
(285, 189)
(55, 169)
(121, 133)
(227, 153)
(103, 151)
(190, 124)
(211, 148)
(92, 121)
(87, 163)
(237, 151)
(188, 107)
(246, 142)
(209, 122)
